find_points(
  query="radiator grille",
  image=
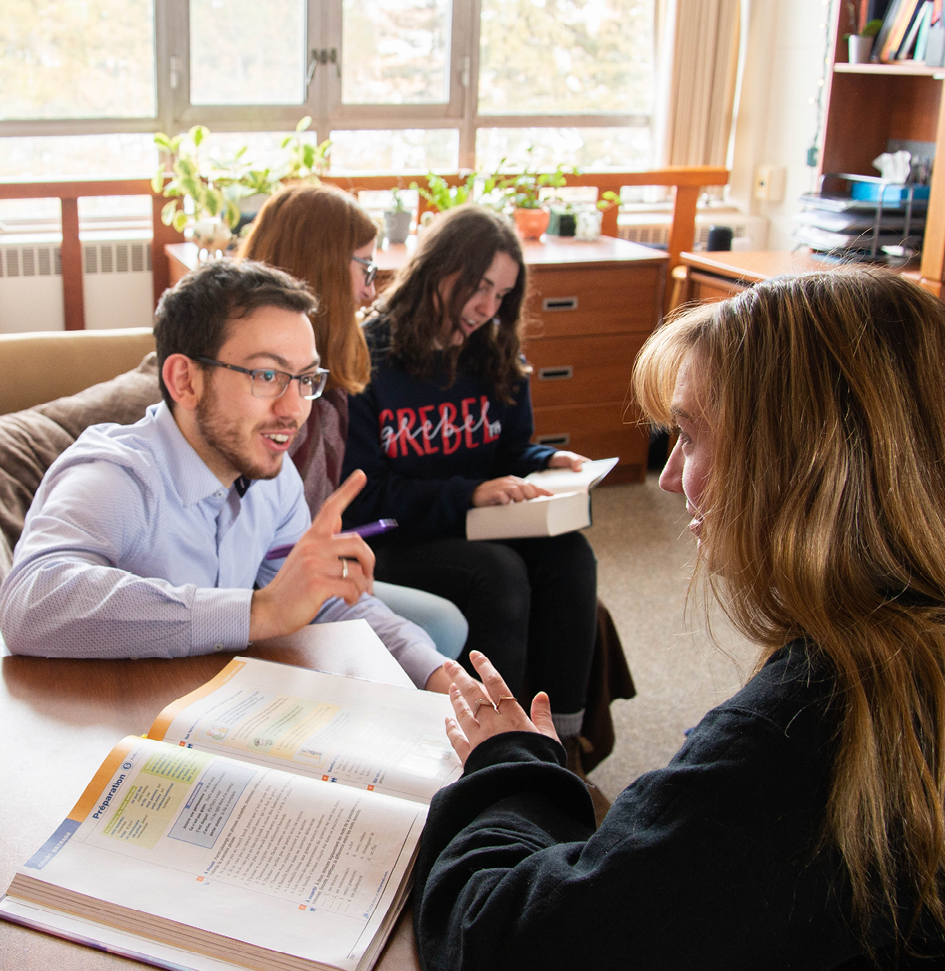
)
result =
(22, 261)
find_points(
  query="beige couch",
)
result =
(53, 386)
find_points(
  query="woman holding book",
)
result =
(321, 235)
(444, 426)
(801, 824)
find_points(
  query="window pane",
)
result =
(566, 57)
(620, 149)
(77, 60)
(62, 157)
(411, 150)
(395, 52)
(247, 52)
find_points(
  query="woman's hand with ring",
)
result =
(480, 715)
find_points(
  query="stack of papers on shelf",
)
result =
(858, 226)
(567, 509)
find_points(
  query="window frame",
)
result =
(323, 103)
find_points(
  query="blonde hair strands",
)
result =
(824, 519)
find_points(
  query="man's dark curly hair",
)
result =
(193, 317)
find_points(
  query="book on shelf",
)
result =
(269, 820)
(902, 19)
(922, 38)
(882, 41)
(910, 38)
(568, 508)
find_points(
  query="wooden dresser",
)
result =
(590, 308)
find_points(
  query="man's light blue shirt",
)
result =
(133, 547)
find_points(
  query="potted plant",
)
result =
(213, 199)
(441, 195)
(860, 43)
(306, 161)
(524, 191)
(397, 219)
(203, 196)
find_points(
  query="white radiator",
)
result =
(652, 228)
(116, 283)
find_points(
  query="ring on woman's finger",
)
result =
(344, 569)
(503, 698)
(480, 703)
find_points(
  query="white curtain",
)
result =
(698, 60)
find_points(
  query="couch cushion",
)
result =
(31, 440)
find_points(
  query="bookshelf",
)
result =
(866, 105)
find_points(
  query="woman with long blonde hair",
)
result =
(801, 824)
(320, 234)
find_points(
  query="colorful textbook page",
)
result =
(260, 829)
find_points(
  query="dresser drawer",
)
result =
(568, 302)
(599, 432)
(582, 370)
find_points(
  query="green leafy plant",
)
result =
(213, 191)
(870, 29)
(204, 188)
(441, 195)
(397, 203)
(306, 160)
(525, 189)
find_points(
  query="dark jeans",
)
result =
(529, 602)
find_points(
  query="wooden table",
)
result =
(60, 718)
(710, 276)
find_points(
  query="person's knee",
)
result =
(501, 580)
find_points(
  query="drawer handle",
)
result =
(556, 440)
(555, 373)
(559, 303)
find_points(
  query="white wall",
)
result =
(776, 122)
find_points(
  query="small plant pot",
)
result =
(562, 224)
(397, 226)
(531, 223)
(860, 48)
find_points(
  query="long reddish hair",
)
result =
(311, 231)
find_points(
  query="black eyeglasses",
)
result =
(370, 269)
(269, 383)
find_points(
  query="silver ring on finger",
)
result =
(344, 569)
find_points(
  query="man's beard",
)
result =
(227, 440)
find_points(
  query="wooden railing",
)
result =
(686, 182)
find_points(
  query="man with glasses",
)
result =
(152, 539)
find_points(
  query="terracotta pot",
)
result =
(531, 223)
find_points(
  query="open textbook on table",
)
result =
(568, 508)
(269, 820)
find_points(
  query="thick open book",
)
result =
(269, 820)
(569, 508)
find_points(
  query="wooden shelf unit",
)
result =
(866, 105)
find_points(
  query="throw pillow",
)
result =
(31, 440)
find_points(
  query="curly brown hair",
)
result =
(452, 258)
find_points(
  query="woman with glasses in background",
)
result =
(321, 235)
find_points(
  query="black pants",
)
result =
(529, 602)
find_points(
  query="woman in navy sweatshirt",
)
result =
(443, 426)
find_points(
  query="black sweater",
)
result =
(710, 863)
(425, 447)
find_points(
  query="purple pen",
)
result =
(369, 529)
